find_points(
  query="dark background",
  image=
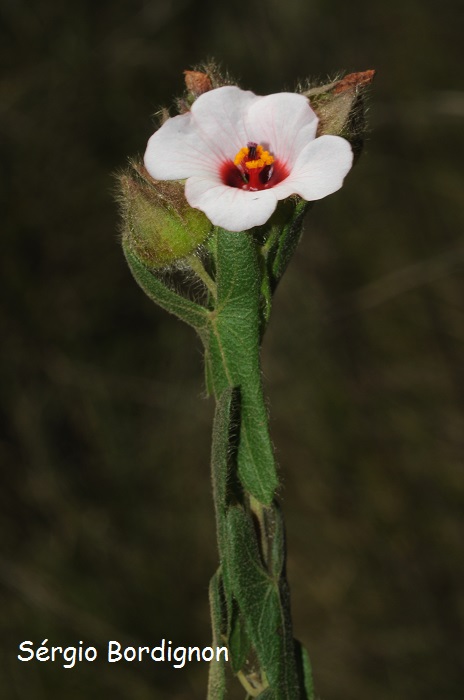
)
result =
(106, 517)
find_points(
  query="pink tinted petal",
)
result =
(229, 207)
(197, 143)
(284, 123)
(177, 151)
(319, 169)
(219, 115)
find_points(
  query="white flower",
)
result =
(240, 153)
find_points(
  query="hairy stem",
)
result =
(255, 617)
(196, 265)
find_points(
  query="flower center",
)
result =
(253, 168)
(252, 157)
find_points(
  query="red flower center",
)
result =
(253, 169)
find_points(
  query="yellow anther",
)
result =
(243, 152)
(252, 164)
(263, 158)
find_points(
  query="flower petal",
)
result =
(230, 207)
(197, 143)
(319, 169)
(283, 123)
(176, 151)
(220, 117)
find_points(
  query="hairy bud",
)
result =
(339, 106)
(197, 82)
(159, 226)
(204, 78)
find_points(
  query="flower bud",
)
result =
(206, 77)
(339, 106)
(159, 226)
(197, 82)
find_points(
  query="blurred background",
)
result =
(106, 518)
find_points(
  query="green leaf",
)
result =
(232, 350)
(277, 548)
(239, 642)
(220, 461)
(259, 599)
(217, 674)
(223, 479)
(306, 670)
(287, 243)
(157, 291)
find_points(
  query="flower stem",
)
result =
(233, 355)
(196, 265)
(255, 615)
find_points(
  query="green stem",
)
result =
(256, 612)
(233, 356)
(249, 597)
(196, 265)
